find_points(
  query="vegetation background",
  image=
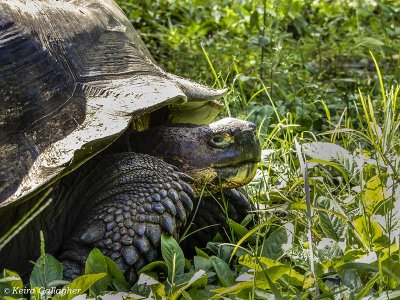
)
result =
(321, 81)
(304, 72)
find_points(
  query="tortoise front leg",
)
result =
(130, 199)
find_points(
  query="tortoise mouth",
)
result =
(235, 175)
(223, 176)
(254, 160)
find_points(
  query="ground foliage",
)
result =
(321, 81)
(308, 53)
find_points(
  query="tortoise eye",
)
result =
(221, 141)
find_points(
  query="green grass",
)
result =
(327, 190)
(312, 56)
(328, 224)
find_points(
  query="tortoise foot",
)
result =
(138, 198)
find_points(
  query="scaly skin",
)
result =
(221, 154)
(122, 202)
(132, 199)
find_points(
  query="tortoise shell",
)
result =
(74, 74)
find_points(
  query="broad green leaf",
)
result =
(147, 280)
(391, 268)
(369, 42)
(368, 229)
(238, 229)
(329, 252)
(275, 270)
(201, 263)
(254, 263)
(274, 273)
(351, 279)
(331, 224)
(199, 294)
(223, 271)
(96, 263)
(118, 279)
(326, 151)
(234, 289)
(12, 278)
(373, 194)
(353, 254)
(332, 155)
(198, 276)
(199, 279)
(158, 264)
(223, 251)
(201, 253)
(357, 266)
(389, 295)
(273, 287)
(254, 19)
(35, 293)
(46, 270)
(79, 286)
(272, 245)
(9, 283)
(172, 255)
(148, 284)
(247, 220)
(389, 251)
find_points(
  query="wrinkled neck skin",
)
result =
(221, 154)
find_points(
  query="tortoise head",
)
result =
(224, 153)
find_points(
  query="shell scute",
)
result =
(73, 76)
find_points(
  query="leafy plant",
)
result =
(327, 211)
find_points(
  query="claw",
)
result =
(93, 233)
(185, 177)
(180, 212)
(169, 205)
(187, 189)
(186, 201)
(153, 232)
(173, 195)
(168, 224)
(239, 197)
(176, 186)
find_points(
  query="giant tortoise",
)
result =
(125, 147)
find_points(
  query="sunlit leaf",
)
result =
(47, 269)
(368, 229)
(373, 194)
(95, 264)
(172, 255)
(79, 286)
